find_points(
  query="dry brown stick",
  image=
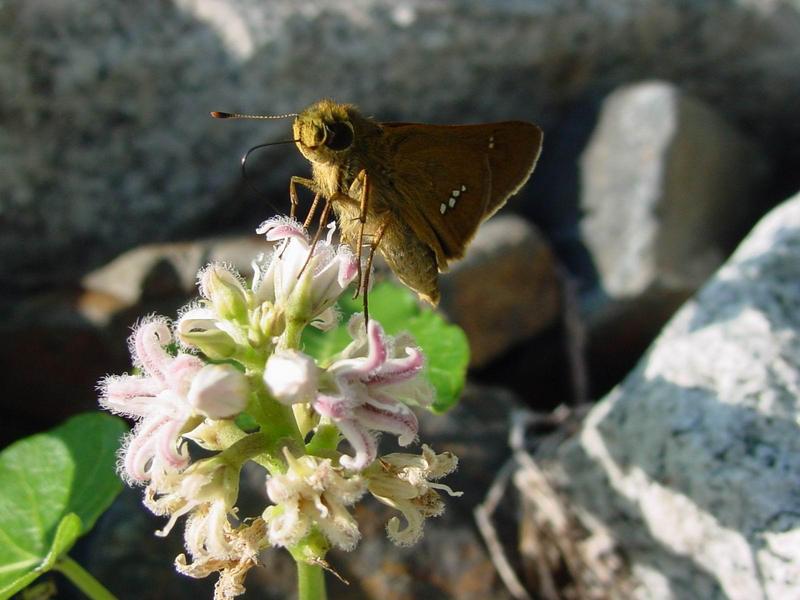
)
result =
(483, 514)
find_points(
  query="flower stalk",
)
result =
(84, 581)
(310, 582)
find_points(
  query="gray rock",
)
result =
(692, 463)
(505, 290)
(106, 142)
(666, 187)
(667, 190)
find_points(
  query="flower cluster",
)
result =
(235, 357)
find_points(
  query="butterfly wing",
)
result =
(448, 179)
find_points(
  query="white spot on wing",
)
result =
(452, 202)
(442, 208)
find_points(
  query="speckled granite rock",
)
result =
(693, 462)
(106, 142)
(666, 188)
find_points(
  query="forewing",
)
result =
(448, 179)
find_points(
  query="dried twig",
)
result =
(566, 562)
(483, 515)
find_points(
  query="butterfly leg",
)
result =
(317, 234)
(376, 239)
(311, 211)
(362, 217)
(306, 183)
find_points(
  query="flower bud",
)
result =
(214, 343)
(291, 376)
(223, 289)
(219, 391)
(199, 329)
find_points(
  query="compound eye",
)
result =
(319, 134)
(340, 136)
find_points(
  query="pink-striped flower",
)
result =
(156, 399)
(375, 379)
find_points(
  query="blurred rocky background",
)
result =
(671, 129)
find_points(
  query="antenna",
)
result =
(247, 179)
(226, 115)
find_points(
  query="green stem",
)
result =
(325, 440)
(277, 423)
(310, 582)
(293, 333)
(82, 579)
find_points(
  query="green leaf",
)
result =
(53, 487)
(447, 351)
(444, 344)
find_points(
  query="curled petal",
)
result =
(128, 395)
(278, 228)
(361, 368)
(205, 531)
(358, 334)
(147, 346)
(398, 369)
(153, 440)
(412, 532)
(340, 528)
(332, 407)
(394, 418)
(284, 524)
(181, 371)
(170, 448)
(348, 266)
(363, 442)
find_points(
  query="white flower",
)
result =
(305, 284)
(375, 379)
(207, 492)
(156, 399)
(291, 376)
(402, 481)
(312, 492)
(219, 391)
(208, 484)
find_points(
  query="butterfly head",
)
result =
(325, 131)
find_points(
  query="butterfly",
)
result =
(413, 192)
